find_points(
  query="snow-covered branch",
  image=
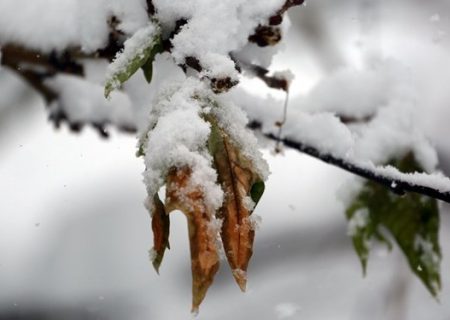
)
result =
(433, 185)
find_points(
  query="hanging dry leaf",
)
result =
(182, 195)
(237, 177)
(160, 227)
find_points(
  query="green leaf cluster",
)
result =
(412, 220)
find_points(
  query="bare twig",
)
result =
(281, 123)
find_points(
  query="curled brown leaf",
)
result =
(237, 177)
(160, 227)
(182, 195)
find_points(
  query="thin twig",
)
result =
(397, 186)
(281, 123)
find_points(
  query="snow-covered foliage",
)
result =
(178, 137)
(142, 46)
(192, 123)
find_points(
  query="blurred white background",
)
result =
(74, 234)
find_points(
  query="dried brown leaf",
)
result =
(181, 195)
(160, 227)
(237, 178)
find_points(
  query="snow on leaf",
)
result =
(238, 179)
(178, 136)
(139, 51)
(412, 220)
(200, 149)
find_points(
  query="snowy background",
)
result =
(74, 233)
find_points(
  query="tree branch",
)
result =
(397, 185)
(262, 73)
(21, 61)
(34, 67)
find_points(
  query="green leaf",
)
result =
(140, 151)
(147, 68)
(257, 191)
(412, 220)
(139, 52)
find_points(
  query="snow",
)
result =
(203, 34)
(76, 23)
(255, 221)
(323, 131)
(178, 137)
(143, 94)
(218, 66)
(351, 92)
(436, 181)
(233, 120)
(251, 53)
(349, 189)
(392, 134)
(381, 91)
(152, 255)
(248, 203)
(389, 134)
(134, 48)
(213, 31)
(358, 221)
(178, 134)
(428, 257)
(83, 102)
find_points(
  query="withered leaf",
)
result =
(181, 195)
(243, 188)
(160, 227)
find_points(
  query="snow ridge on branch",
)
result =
(434, 185)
